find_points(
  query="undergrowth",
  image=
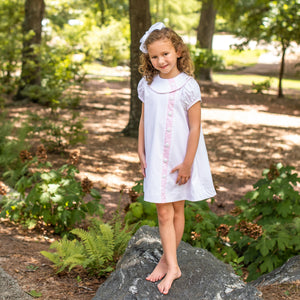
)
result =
(260, 233)
(50, 197)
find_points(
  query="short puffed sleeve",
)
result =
(141, 89)
(191, 93)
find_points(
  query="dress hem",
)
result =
(193, 200)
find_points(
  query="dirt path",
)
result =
(244, 133)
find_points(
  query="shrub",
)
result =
(141, 212)
(61, 77)
(12, 141)
(259, 87)
(11, 15)
(204, 58)
(114, 42)
(268, 221)
(50, 197)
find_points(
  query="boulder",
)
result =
(288, 272)
(203, 276)
(9, 288)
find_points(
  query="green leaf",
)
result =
(45, 197)
(137, 209)
(57, 198)
(267, 265)
(95, 194)
(265, 245)
(52, 188)
(35, 294)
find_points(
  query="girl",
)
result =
(171, 146)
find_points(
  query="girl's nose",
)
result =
(160, 60)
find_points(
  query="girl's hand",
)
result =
(184, 173)
(143, 164)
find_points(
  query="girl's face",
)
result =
(164, 58)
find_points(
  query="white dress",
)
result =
(166, 130)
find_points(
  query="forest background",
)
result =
(68, 89)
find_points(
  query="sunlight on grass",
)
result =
(238, 59)
(113, 74)
(248, 79)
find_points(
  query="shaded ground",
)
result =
(244, 133)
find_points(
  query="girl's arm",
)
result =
(141, 143)
(184, 169)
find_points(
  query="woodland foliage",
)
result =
(259, 234)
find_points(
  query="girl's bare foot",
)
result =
(165, 285)
(159, 271)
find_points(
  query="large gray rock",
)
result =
(288, 272)
(203, 276)
(9, 288)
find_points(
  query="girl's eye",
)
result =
(165, 54)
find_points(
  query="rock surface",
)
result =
(288, 272)
(203, 276)
(9, 288)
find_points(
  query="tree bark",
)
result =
(205, 32)
(140, 21)
(281, 72)
(34, 13)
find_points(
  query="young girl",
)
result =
(171, 146)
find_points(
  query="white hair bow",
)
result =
(156, 26)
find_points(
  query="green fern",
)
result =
(98, 247)
(121, 238)
(96, 250)
(68, 254)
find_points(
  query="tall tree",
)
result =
(32, 36)
(140, 21)
(269, 21)
(205, 32)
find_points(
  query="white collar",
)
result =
(163, 86)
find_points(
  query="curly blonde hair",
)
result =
(184, 62)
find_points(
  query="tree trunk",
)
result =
(281, 72)
(140, 21)
(34, 13)
(205, 32)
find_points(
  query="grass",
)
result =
(239, 59)
(248, 79)
(96, 70)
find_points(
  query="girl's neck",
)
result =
(169, 76)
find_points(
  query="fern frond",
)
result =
(76, 260)
(53, 257)
(68, 254)
(107, 240)
(97, 248)
(121, 238)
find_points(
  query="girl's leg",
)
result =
(171, 227)
(170, 244)
(161, 268)
(179, 220)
